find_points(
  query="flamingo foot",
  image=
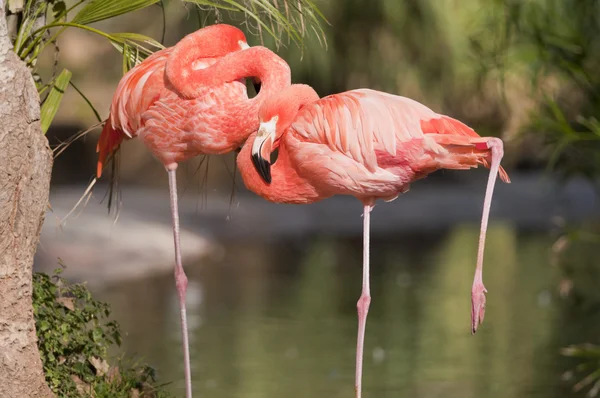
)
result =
(362, 307)
(477, 305)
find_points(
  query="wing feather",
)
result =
(359, 123)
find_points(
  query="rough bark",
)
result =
(25, 165)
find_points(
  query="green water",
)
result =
(278, 319)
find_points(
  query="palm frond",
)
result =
(295, 18)
(99, 10)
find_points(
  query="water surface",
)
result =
(277, 318)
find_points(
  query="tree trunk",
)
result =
(25, 165)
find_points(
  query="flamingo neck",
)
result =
(273, 72)
(286, 185)
(211, 42)
(286, 104)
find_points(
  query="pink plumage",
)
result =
(367, 144)
(371, 144)
(148, 82)
(189, 100)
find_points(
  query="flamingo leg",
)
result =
(180, 279)
(478, 290)
(364, 301)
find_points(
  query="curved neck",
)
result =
(286, 185)
(273, 72)
(209, 43)
(288, 103)
(297, 95)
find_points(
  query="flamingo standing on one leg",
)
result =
(367, 144)
(183, 102)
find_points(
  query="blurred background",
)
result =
(273, 288)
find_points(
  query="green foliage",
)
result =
(556, 42)
(74, 335)
(43, 21)
(588, 356)
(294, 18)
(99, 10)
(52, 102)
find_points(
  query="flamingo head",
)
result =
(213, 41)
(265, 142)
(222, 39)
(276, 114)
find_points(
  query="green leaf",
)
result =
(143, 44)
(136, 40)
(97, 334)
(99, 10)
(52, 102)
(27, 27)
(44, 325)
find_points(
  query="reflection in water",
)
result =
(274, 319)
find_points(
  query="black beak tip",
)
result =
(263, 167)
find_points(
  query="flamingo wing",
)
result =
(141, 87)
(136, 91)
(359, 124)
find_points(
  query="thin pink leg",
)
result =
(180, 279)
(478, 291)
(363, 302)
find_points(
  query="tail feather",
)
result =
(445, 125)
(109, 142)
(459, 138)
(467, 151)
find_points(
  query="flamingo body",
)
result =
(188, 100)
(370, 145)
(145, 86)
(367, 144)
(176, 129)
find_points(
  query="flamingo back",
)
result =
(176, 129)
(370, 126)
(357, 122)
(138, 90)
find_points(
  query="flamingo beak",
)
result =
(262, 148)
(243, 45)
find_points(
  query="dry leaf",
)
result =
(100, 364)
(113, 375)
(68, 302)
(134, 393)
(82, 387)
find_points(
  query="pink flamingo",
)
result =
(367, 144)
(142, 86)
(183, 102)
